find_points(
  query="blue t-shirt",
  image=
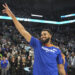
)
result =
(4, 65)
(45, 58)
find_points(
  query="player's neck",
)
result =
(49, 44)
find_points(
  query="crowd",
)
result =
(17, 57)
(15, 53)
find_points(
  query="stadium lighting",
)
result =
(69, 15)
(39, 21)
(34, 15)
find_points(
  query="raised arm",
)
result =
(18, 25)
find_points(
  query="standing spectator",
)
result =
(29, 62)
(29, 65)
(72, 63)
(4, 64)
(13, 67)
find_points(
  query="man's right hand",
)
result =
(18, 25)
(6, 10)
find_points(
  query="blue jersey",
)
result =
(45, 58)
(4, 65)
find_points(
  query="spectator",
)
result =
(72, 63)
(4, 64)
(13, 66)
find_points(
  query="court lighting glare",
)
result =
(34, 15)
(39, 21)
(69, 15)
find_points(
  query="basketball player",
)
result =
(46, 55)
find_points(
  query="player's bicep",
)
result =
(26, 35)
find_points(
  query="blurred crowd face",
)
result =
(13, 59)
(45, 37)
(73, 54)
(4, 58)
(29, 57)
(19, 58)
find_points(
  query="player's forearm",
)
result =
(17, 23)
(61, 69)
(62, 72)
(20, 28)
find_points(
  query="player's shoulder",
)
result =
(57, 48)
(54, 46)
(34, 39)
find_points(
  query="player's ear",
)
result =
(50, 35)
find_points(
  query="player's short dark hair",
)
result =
(48, 30)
